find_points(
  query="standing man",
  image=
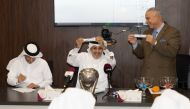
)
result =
(29, 69)
(158, 49)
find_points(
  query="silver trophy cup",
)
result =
(88, 79)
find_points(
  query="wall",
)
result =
(32, 20)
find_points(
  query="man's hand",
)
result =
(79, 42)
(132, 39)
(150, 39)
(21, 78)
(33, 86)
(99, 39)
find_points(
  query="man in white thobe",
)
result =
(171, 99)
(96, 57)
(29, 69)
(73, 98)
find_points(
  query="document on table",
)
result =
(49, 94)
(23, 90)
(130, 95)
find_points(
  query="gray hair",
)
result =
(157, 11)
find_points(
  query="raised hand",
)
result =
(79, 42)
(132, 39)
(21, 78)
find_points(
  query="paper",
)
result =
(23, 90)
(49, 93)
(140, 36)
(130, 95)
(89, 39)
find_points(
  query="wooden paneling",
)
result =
(177, 13)
(32, 20)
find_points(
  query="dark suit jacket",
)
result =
(159, 60)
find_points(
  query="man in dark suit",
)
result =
(158, 48)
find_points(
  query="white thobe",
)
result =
(73, 98)
(171, 99)
(37, 72)
(85, 60)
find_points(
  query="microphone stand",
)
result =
(67, 80)
(109, 92)
(64, 88)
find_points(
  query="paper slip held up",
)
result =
(89, 39)
(140, 36)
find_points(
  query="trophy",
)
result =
(88, 79)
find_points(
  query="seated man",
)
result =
(29, 69)
(73, 98)
(96, 57)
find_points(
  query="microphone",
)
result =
(107, 68)
(67, 79)
(108, 71)
(71, 69)
(68, 76)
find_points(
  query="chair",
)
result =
(73, 98)
(182, 69)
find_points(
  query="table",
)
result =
(10, 99)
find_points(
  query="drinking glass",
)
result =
(143, 83)
(168, 82)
